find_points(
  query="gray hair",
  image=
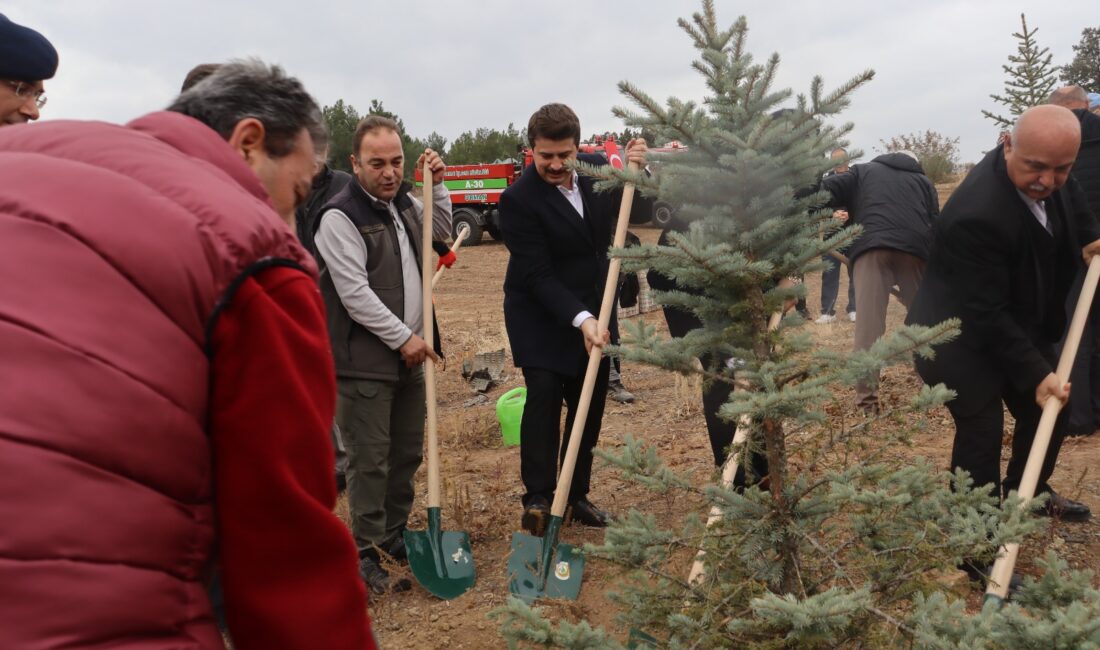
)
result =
(1070, 97)
(250, 88)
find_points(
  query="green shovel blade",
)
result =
(440, 561)
(540, 567)
(993, 598)
(639, 639)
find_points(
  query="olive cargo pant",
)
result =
(382, 425)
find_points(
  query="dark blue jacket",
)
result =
(892, 199)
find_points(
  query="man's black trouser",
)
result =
(542, 445)
(715, 394)
(979, 418)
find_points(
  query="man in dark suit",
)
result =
(1006, 250)
(557, 230)
(1084, 404)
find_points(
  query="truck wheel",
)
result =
(468, 219)
(662, 214)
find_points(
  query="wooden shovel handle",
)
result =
(565, 479)
(462, 233)
(429, 336)
(729, 469)
(1001, 574)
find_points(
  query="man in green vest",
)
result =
(368, 243)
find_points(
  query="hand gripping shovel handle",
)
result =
(462, 233)
(1001, 574)
(565, 479)
(429, 336)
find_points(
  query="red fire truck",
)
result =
(475, 192)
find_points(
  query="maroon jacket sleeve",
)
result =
(289, 566)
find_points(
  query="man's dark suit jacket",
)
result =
(996, 268)
(557, 267)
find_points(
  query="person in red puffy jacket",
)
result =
(167, 381)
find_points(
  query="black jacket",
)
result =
(996, 268)
(892, 199)
(326, 184)
(1087, 167)
(558, 266)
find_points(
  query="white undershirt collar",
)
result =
(1037, 208)
(573, 195)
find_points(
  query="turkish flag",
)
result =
(613, 153)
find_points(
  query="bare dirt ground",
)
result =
(481, 477)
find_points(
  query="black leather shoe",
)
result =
(396, 548)
(1060, 507)
(536, 515)
(583, 512)
(980, 576)
(379, 580)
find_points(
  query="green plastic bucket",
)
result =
(510, 413)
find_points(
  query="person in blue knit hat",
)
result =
(27, 58)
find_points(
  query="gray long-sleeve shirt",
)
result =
(345, 254)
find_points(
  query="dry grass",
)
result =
(687, 389)
(480, 513)
(470, 429)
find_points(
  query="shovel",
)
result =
(440, 561)
(540, 567)
(640, 639)
(1001, 574)
(729, 469)
(462, 234)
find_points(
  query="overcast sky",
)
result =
(450, 66)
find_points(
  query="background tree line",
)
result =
(482, 145)
(1030, 79)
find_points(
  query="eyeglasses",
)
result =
(25, 90)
